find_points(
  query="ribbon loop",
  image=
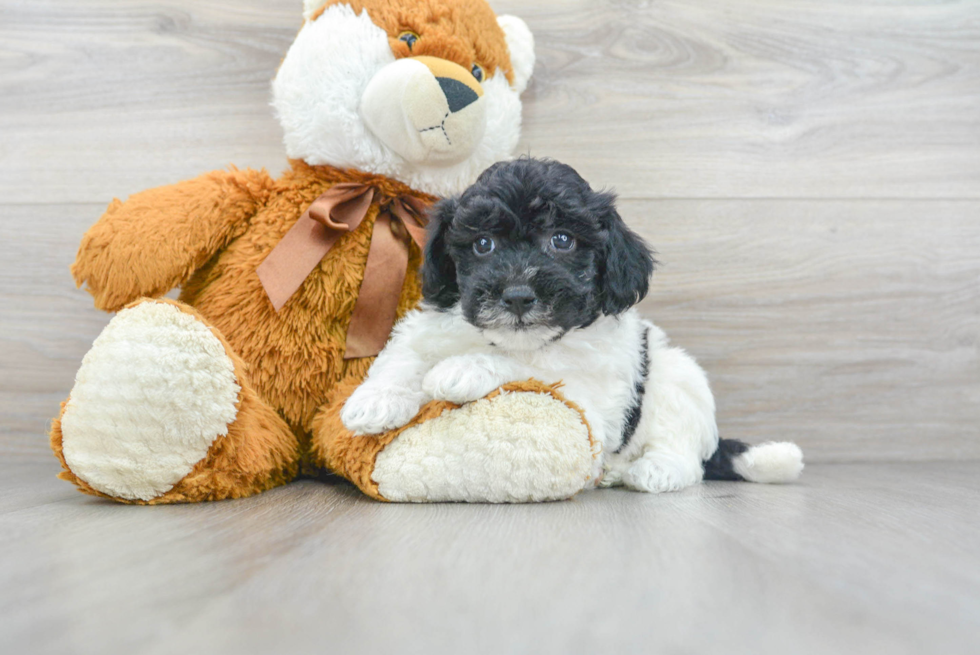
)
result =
(411, 212)
(341, 209)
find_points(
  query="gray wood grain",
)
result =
(810, 175)
(760, 98)
(849, 327)
(852, 327)
(669, 99)
(853, 559)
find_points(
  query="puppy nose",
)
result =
(518, 300)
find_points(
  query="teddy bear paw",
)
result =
(151, 397)
(516, 447)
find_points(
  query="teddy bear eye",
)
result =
(562, 241)
(477, 71)
(409, 38)
(483, 246)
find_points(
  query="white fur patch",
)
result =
(317, 94)
(151, 396)
(310, 7)
(517, 447)
(318, 89)
(439, 354)
(520, 46)
(770, 462)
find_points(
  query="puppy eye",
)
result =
(409, 38)
(483, 246)
(562, 241)
(477, 71)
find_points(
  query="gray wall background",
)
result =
(808, 171)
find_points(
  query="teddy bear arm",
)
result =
(155, 240)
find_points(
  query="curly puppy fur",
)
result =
(532, 274)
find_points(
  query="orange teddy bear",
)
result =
(290, 286)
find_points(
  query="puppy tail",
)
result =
(771, 462)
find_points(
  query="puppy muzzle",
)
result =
(518, 300)
(428, 110)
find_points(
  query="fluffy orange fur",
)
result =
(258, 453)
(209, 235)
(463, 31)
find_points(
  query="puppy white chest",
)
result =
(600, 367)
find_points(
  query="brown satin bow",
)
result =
(341, 209)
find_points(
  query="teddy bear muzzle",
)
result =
(426, 109)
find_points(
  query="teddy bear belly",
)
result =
(294, 356)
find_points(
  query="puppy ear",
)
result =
(627, 261)
(439, 286)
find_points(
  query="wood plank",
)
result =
(760, 98)
(797, 166)
(46, 325)
(670, 99)
(853, 559)
(107, 98)
(849, 327)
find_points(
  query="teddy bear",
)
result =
(289, 286)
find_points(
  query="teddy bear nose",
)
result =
(426, 109)
(458, 95)
(518, 300)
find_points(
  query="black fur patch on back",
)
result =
(633, 414)
(719, 465)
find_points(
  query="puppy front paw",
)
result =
(461, 379)
(373, 410)
(659, 474)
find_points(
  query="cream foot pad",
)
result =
(154, 392)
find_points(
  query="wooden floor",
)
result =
(809, 172)
(857, 558)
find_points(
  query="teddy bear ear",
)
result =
(520, 44)
(310, 6)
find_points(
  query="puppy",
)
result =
(532, 274)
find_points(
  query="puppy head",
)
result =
(530, 252)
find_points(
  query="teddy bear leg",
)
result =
(522, 443)
(162, 412)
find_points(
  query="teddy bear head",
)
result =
(423, 91)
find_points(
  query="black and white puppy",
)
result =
(532, 274)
